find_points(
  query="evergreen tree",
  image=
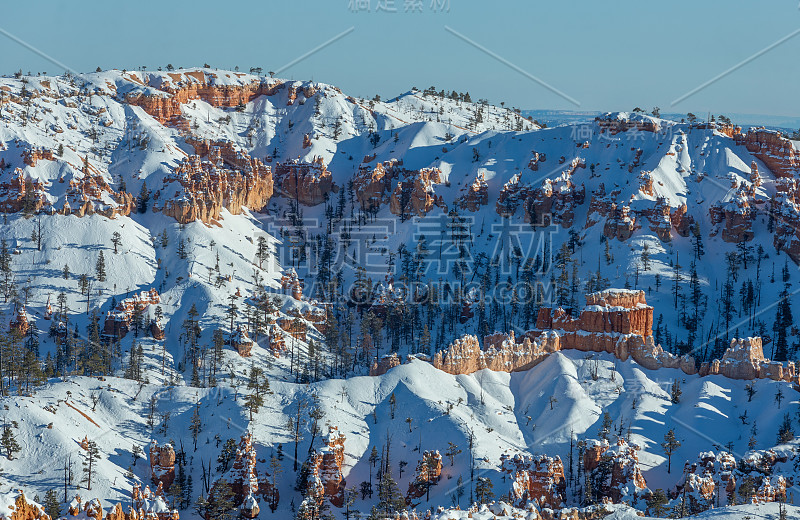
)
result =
(785, 431)
(144, 197)
(483, 490)
(90, 457)
(116, 240)
(605, 428)
(100, 267)
(390, 498)
(657, 503)
(196, 425)
(9, 442)
(262, 250)
(220, 505)
(675, 393)
(670, 445)
(51, 504)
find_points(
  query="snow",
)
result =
(687, 165)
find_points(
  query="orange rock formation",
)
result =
(162, 463)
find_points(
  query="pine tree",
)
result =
(675, 393)
(116, 240)
(196, 425)
(483, 490)
(657, 503)
(90, 457)
(605, 428)
(785, 432)
(262, 251)
(51, 504)
(220, 502)
(390, 498)
(9, 442)
(275, 470)
(257, 387)
(452, 451)
(670, 445)
(144, 197)
(100, 267)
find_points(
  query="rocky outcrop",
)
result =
(244, 480)
(162, 463)
(710, 475)
(79, 510)
(774, 150)
(427, 474)
(785, 208)
(307, 183)
(371, 184)
(385, 364)
(616, 321)
(275, 341)
(535, 159)
(464, 355)
(737, 214)
(413, 192)
(19, 323)
(34, 155)
(513, 193)
(415, 195)
(620, 220)
(744, 359)
(241, 342)
(645, 178)
(475, 196)
(620, 224)
(539, 479)
(682, 222)
(555, 200)
(21, 508)
(626, 480)
(118, 321)
(325, 479)
(291, 284)
(620, 311)
(199, 189)
(86, 194)
(148, 505)
(176, 89)
(718, 479)
(724, 128)
(156, 330)
(660, 219)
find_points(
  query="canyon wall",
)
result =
(199, 189)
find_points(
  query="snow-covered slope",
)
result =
(426, 189)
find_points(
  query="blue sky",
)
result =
(607, 55)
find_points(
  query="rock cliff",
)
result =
(198, 189)
(307, 183)
(774, 150)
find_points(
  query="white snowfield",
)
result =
(506, 413)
